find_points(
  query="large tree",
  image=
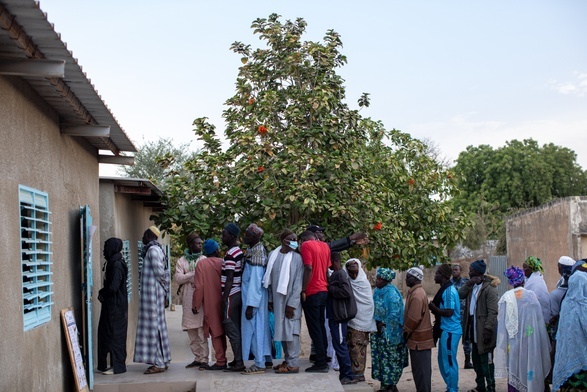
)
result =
(298, 154)
(519, 175)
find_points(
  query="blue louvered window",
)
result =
(36, 257)
(126, 255)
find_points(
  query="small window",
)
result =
(126, 255)
(36, 257)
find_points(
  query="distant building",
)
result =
(555, 229)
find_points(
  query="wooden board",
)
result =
(75, 355)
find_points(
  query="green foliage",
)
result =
(498, 182)
(156, 160)
(298, 154)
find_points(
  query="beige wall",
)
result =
(127, 219)
(548, 232)
(35, 154)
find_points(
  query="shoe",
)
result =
(235, 368)
(287, 370)
(108, 372)
(328, 359)
(469, 365)
(104, 370)
(347, 381)
(359, 377)
(217, 367)
(268, 365)
(193, 364)
(312, 357)
(155, 369)
(317, 369)
(231, 363)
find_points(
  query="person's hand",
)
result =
(380, 327)
(303, 296)
(249, 312)
(433, 308)
(406, 336)
(363, 241)
(101, 295)
(270, 306)
(475, 280)
(487, 335)
(194, 311)
(289, 312)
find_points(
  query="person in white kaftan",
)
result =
(522, 353)
(535, 282)
(284, 278)
(255, 333)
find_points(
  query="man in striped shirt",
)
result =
(231, 294)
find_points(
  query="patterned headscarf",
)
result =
(534, 263)
(515, 276)
(386, 273)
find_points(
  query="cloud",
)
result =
(577, 86)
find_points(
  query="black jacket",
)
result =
(341, 304)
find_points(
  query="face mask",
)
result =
(293, 245)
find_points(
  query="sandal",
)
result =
(254, 369)
(287, 370)
(282, 364)
(155, 369)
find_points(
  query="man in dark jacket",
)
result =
(480, 322)
(340, 308)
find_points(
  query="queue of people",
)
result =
(523, 336)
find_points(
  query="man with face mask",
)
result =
(283, 279)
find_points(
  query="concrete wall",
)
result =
(34, 153)
(548, 232)
(127, 219)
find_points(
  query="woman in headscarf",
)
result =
(522, 353)
(389, 353)
(570, 365)
(363, 324)
(533, 271)
(114, 313)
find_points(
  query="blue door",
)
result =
(87, 231)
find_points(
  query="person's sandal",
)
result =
(287, 370)
(254, 369)
(282, 364)
(155, 369)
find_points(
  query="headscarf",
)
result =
(416, 273)
(363, 292)
(255, 230)
(445, 270)
(534, 263)
(479, 266)
(571, 338)
(386, 273)
(112, 246)
(515, 276)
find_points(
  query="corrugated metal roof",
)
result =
(26, 33)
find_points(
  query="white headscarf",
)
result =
(364, 320)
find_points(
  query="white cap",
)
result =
(416, 272)
(566, 260)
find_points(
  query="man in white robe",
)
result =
(284, 278)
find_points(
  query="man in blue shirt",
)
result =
(446, 306)
(458, 281)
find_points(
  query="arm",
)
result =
(296, 280)
(492, 305)
(254, 290)
(157, 258)
(198, 296)
(413, 315)
(228, 285)
(465, 289)
(182, 275)
(339, 287)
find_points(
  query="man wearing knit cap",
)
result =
(418, 330)
(480, 322)
(208, 296)
(231, 294)
(447, 327)
(192, 323)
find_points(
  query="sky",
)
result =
(457, 73)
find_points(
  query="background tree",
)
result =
(497, 182)
(298, 154)
(154, 160)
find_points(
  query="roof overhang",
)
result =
(31, 49)
(140, 189)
